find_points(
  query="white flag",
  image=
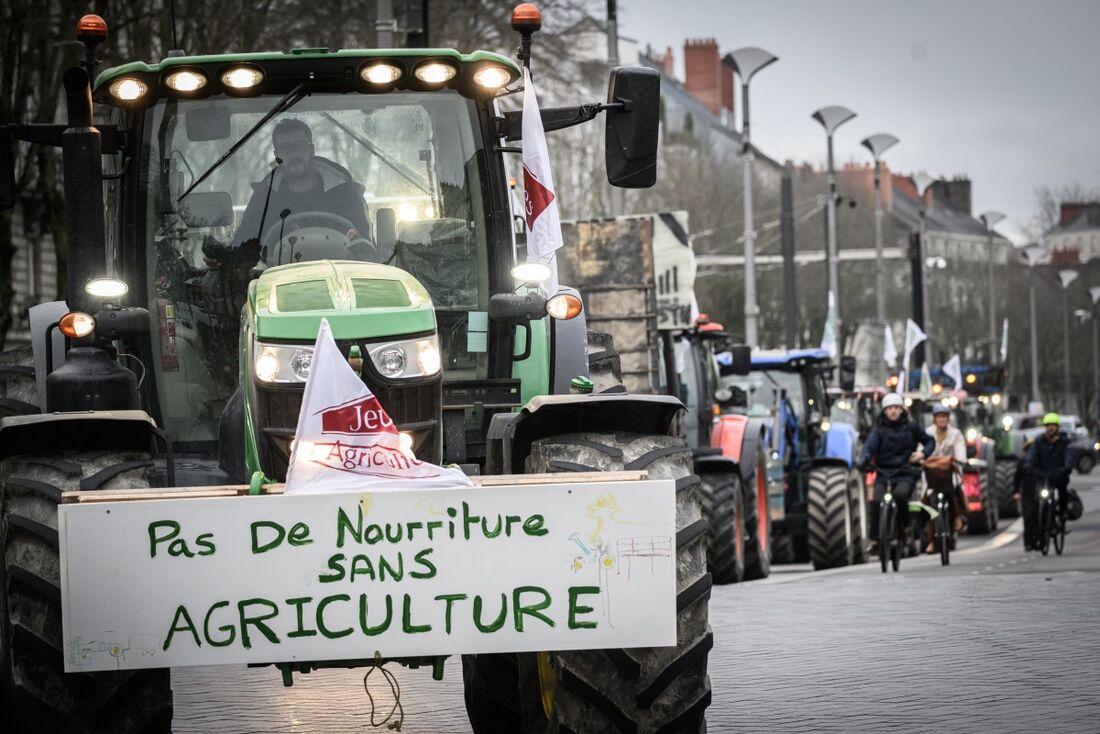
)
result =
(913, 337)
(540, 203)
(1004, 341)
(889, 351)
(953, 369)
(828, 339)
(345, 440)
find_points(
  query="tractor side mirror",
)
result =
(385, 232)
(847, 377)
(7, 169)
(207, 123)
(740, 360)
(632, 125)
(516, 308)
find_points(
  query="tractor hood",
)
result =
(360, 300)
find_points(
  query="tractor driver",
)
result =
(320, 190)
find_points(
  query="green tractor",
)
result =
(200, 266)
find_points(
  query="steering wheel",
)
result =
(314, 235)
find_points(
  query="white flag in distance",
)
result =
(540, 202)
(828, 337)
(913, 336)
(953, 369)
(345, 440)
(889, 351)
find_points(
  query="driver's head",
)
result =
(293, 141)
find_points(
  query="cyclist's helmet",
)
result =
(891, 398)
(1052, 419)
(940, 409)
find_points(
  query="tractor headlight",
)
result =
(128, 89)
(381, 73)
(409, 358)
(971, 435)
(185, 81)
(242, 77)
(435, 72)
(1006, 423)
(492, 77)
(283, 364)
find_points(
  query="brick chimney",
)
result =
(954, 194)
(727, 90)
(1071, 211)
(703, 73)
(668, 63)
(905, 185)
(858, 181)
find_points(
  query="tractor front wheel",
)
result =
(642, 689)
(831, 537)
(1004, 487)
(724, 508)
(758, 523)
(36, 691)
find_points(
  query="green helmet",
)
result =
(1052, 419)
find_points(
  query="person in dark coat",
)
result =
(1049, 457)
(895, 448)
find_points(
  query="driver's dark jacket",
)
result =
(1045, 456)
(892, 442)
(338, 194)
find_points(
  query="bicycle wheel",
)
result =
(1045, 521)
(1059, 531)
(943, 533)
(885, 533)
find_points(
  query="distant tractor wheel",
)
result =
(1004, 480)
(34, 688)
(758, 523)
(857, 498)
(724, 509)
(782, 547)
(18, 388)
(983, 521)
(604, 364)
(830, 522)
(1085, 463)
(641, 689)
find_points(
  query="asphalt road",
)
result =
(1000, 641)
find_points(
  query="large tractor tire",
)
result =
(18, 389)
(491, 686)
(984, 521)
(642, 689)
(830, 522)
(724, 510)
(1004, 480)
(37, 694)
(758, 524)
(782, 547)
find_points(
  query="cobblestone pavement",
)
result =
(1000, 641)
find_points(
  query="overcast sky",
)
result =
(1006, 91)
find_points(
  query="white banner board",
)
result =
(167, 583)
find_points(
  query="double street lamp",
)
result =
(831, 118)
(879, 144)
(990, 220)
(1033, 253)
(1066, 278)
(746, 62)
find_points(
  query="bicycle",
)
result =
(892, 535)
(1052, 523)
(943, 536)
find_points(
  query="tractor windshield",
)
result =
(394, 179)
(762, 389)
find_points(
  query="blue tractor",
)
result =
(824, 514)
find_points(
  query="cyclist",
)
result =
(1049, 457)
(896, 445)
(950, 445)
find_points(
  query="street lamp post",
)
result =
(1094, 293)
(831, 118)
(879, 144)
(1033, 253)
(990, 220)
(1066, 277)
(746, 62)
(923, 182)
